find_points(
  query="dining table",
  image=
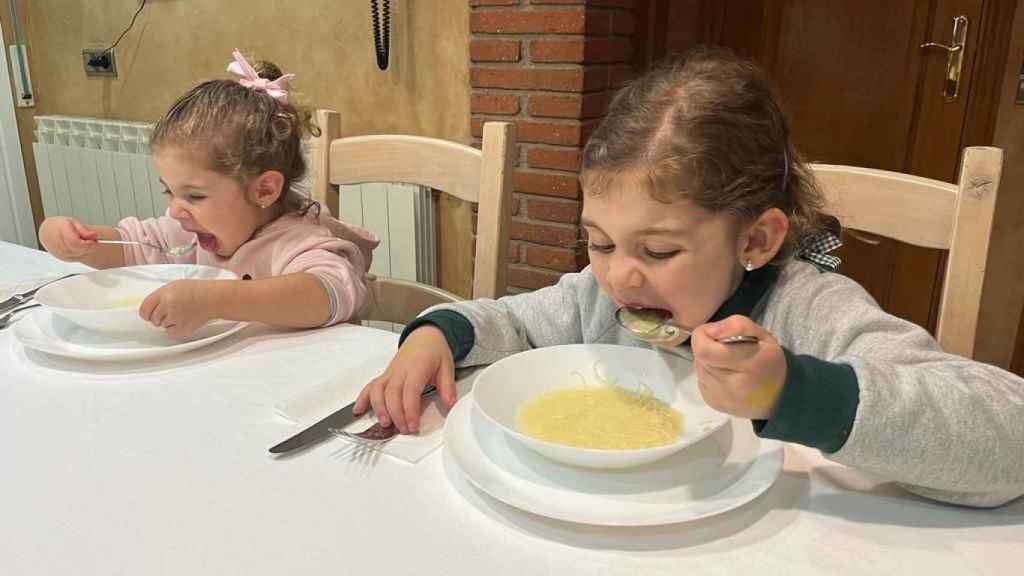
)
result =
(161, 467)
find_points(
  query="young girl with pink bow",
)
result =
(229, 154)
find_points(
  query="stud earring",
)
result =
(749, 266)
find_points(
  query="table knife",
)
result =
(322, 429)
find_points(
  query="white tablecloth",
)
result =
(162, 468)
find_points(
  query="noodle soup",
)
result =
(595, 405)
(601, 417)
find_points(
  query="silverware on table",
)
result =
(24, 297)
(7, 318)
(371, 437)
(327, 428)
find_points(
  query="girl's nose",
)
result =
(177, 209)
(624, 274)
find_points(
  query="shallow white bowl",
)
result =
(502, 389)
(108, 300)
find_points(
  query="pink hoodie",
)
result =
(338, 254)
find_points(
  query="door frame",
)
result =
(983, 100)
(16, 200)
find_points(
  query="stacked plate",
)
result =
(95, 316)
(717, 465)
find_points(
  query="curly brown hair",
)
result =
(707, 128)
(243, 132)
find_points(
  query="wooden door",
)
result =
(860, 90)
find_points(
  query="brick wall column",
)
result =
(550, 67)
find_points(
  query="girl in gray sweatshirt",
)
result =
(697, 205)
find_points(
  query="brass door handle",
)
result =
(943, 46)
(955, 58)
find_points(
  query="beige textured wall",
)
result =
(326, 43)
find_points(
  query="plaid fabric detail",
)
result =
(815, 249)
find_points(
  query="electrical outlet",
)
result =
(99, 62)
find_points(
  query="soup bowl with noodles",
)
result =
(596, 405)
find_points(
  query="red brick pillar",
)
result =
(549, 66)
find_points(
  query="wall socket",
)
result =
(99, 62)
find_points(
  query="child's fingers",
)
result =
(180, 330)
(446, 383)
(162, 317)
(716, 355)
(735, 325)
(83, 232)
(77, 237)
(158, 318)
(380, 408)
(148, 306)
(73, 242)
(363, 400)
(393, 399)
(411, 404)
(708, 386)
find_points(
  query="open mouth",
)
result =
(649, 311)
(644, 321)
(207, 241)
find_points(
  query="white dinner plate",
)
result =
(722, 472)
(46, 332)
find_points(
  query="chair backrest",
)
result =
(400, 301)
(932, 214)
(483, 177)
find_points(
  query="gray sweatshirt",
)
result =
(868, 389)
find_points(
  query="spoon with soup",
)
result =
(655, 326)
(173, 251)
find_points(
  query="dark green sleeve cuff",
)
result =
(457, 330)
(817, 404)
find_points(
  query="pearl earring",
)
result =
(749, 266)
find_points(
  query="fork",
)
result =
(376, 435)
(7, 318)
(373, 436)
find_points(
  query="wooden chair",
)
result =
(933, 214)
(483, 177)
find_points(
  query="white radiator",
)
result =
(402, 216)
(100, 171)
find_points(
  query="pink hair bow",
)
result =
(277, 89)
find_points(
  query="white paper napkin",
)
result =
(316, 402)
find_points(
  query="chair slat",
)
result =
(907, 208)
(933, 214)
(483, 177)
(439, 164)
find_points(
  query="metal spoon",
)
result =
(652, 326)
(168, 250)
